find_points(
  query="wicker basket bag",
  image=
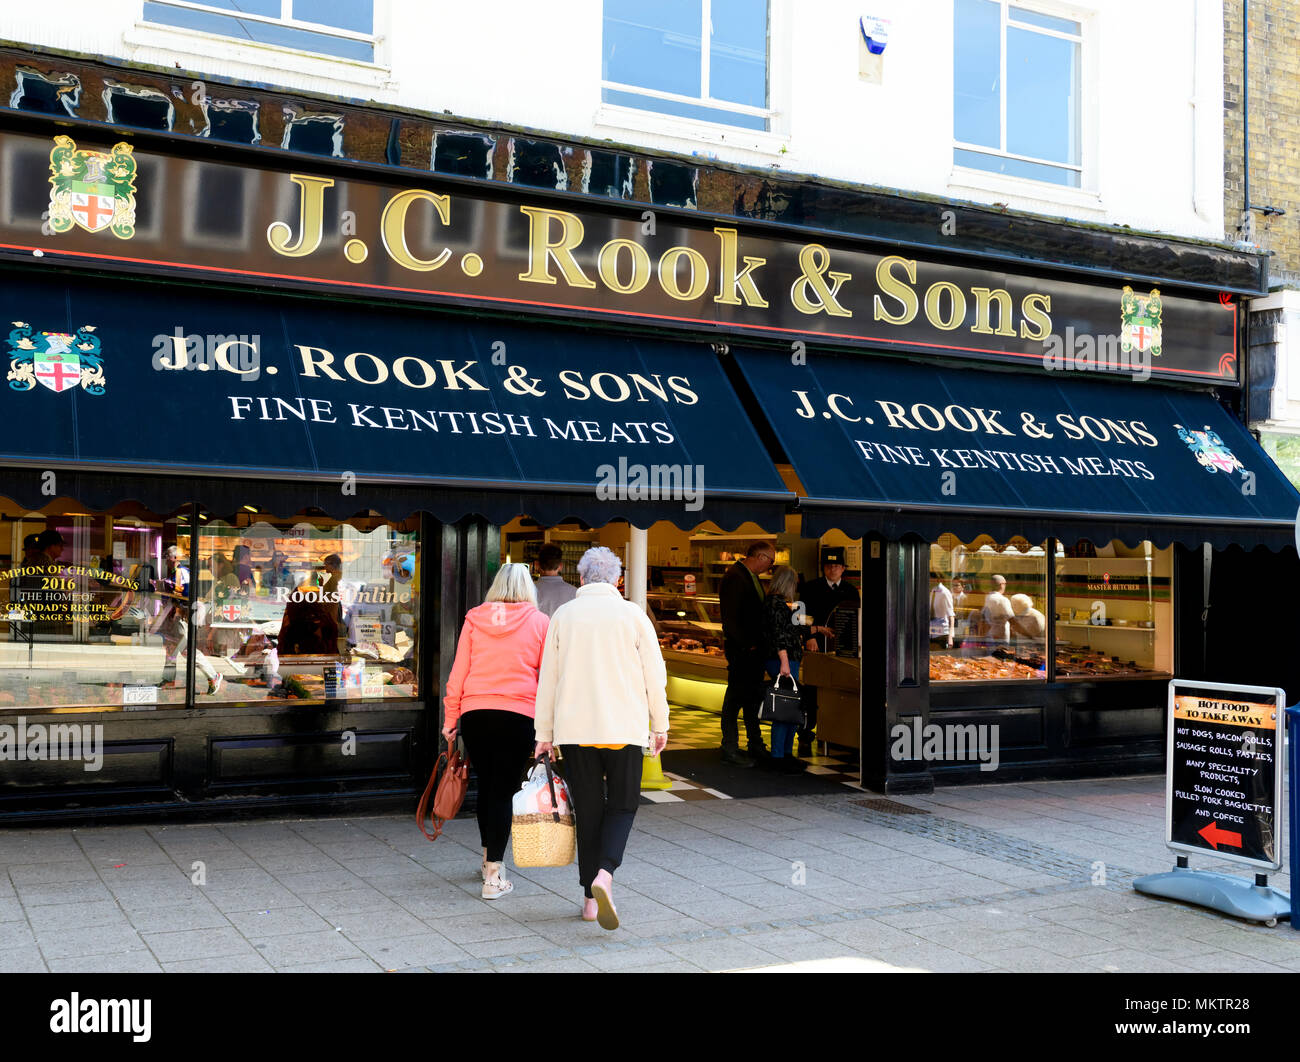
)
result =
(542, 832)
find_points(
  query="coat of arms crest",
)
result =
(58, 361)
(1140, 327)
(1209, 449)
(92, 189)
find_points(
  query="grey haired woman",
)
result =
(601, 696)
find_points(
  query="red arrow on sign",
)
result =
(1216, 836)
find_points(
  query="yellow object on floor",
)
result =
(652, 774)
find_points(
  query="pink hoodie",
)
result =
(497, 660)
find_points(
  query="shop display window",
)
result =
(91, 609)
(100, 611)
(1112, 615)
(987, 610)
(310, 609)
(1114, 611)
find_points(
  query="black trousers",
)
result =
(500, 745)
(745, 676)
(605, 785)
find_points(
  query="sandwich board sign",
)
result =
(1223, 796)
(1224, 777)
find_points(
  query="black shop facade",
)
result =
(272, 422)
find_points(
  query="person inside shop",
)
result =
(33, 557)
(1027, 622)
(226, 585)
(32, 552)
(243, 569)
(741, 599)
(997, 611)
(943, 619)
(278, 573)
(821, 597)
(960, 607)
(308, 627)
(331, 593)
(332, 567)
(552, 590)
(51, 546)
(172, 624)
(783, 647)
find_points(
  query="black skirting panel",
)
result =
(128, 766)
(325, 757)
(185, 764)
(1059, 731)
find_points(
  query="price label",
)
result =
(138, 696)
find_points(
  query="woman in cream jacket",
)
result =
(601, 697)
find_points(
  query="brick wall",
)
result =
(1274, 129)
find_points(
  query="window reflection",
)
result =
(92, 614)
(312, 610)
(104, 610)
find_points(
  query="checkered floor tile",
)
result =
(692, 728)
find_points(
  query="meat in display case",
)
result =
(689, 626)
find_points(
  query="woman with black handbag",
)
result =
(783, 639)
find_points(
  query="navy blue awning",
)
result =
(170, 394)
(892, 447)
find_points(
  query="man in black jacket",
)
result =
(741, 597)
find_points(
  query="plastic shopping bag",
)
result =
(535, 795)
(541, 829)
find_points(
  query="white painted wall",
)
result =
(1152, 88)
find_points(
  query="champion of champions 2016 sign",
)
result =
(497, 246)
(1224, 774)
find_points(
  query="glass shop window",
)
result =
(1114, 611)
(310, 609)
(93, 609)
(101, 611)
(987, 602)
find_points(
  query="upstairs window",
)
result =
(1016, 89)
(342, 28)
(701, 59)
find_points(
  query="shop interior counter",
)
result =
(838, 680)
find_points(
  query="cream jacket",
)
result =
(602, 680)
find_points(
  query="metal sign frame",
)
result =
(1278, 696)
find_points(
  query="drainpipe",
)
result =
(1245, 112)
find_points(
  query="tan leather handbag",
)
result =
(448, 791)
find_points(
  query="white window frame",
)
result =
(773, 141)
(993, 181)
(285, 19)
(274, 60)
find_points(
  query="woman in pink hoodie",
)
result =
(491, 699)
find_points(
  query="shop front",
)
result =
(272, 422)
(1043, 550)
(247, 577)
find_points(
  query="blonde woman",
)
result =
(602, 698)
(491, 698)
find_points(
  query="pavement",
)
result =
(1027, 877)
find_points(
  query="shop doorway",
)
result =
(679, 573)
